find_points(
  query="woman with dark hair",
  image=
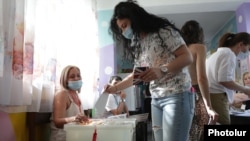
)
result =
(153, 42)
(193, 35)
(221, 67)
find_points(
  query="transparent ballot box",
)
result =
(105, 129)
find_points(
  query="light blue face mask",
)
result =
(128, 33)
(75, 85)
(243, 55)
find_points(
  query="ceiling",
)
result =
(211, 14)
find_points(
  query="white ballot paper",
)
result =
(100, 105)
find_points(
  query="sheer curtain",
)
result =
(38, 38)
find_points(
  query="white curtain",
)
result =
(38, 38)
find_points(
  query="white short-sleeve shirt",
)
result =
(112, 102)
(220, 67)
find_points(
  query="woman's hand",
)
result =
(151, 74)
(81, 118)
(109, 89)
(247, 91)
(213, 116)
(240, 97)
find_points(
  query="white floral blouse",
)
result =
(153, 55)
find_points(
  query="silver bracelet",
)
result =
(122, 100)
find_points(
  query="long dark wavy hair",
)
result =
(141, 22)
(192, 32)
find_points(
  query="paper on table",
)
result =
(244, 114)
(100, 105)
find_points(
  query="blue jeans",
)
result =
(172, 116)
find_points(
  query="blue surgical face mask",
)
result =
(128, 33)
(243, 55)
(75, 85)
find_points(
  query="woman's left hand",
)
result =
(213, 116)
(151, 74)
(82, 118)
